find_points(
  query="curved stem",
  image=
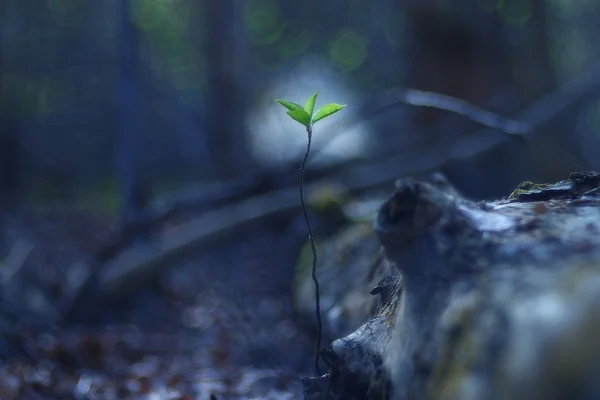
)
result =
(314, 252)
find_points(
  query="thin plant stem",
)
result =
(314, 253)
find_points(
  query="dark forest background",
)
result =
(120, 119)
(98, 95)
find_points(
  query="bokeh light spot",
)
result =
(348, 49)
(66, 12)
(263, 21)
(515, 12)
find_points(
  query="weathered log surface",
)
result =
(497, 300)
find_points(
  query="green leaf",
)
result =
(326, 111)
(300, 116)
(309, 107)
(289, 105)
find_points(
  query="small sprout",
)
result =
(300, 116)
(309, 106)
(289, 105)
(326, 111)
(305, 116)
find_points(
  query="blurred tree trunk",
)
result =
(558, 140)
(9, 159)
(465, 50)
(224, 102)
(9, 127)
(129, 103)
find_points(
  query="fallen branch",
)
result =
(118, 267)
(443, 102)
(497, 130)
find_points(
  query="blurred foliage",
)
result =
(30, 95)
(348, 49)
(515, 12)
(173, 32)
(277, 38)
(166, 28)
(264, 21)
(173, 35)
(103, 197)
(67, 12)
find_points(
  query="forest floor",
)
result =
(219, 326)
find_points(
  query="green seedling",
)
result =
(305, 116)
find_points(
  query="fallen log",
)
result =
(496, 300)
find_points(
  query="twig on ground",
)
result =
(15, 260)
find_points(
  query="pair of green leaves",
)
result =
(304, 115)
